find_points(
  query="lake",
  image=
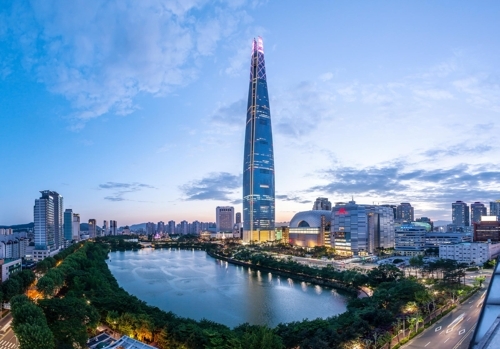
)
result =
(192, 284)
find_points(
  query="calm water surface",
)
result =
(192, 284)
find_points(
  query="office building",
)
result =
(8, 267)
(409, 240)
(404, 212)
(224, 219)
(470, 252)
(361, 229)
(309, 229)
(258, 162)
(477, 210)
(238, 217)
(322, 204)
(68, 224)
(488, 229)
(76, 227)
(495, 209)
(426, 220)
(45, 228)
(435, 239)
(460, 214)
(92, 229)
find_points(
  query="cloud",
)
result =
(101, 55)
(293, 199)
(120, 189)
(393, 182)
(215, 186)
(457, 149)
(233, 114)
(433, 94)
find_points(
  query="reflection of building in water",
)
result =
(361, 229)
(310, 229)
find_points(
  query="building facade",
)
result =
(68, 224)
(361, 229)
(224, 219)
(258, 163)
(488, 229)
(470, 252)
(76, 227)
(460, 214)
(436, 239)
(495, 209)
(44, 223)
(409, 240)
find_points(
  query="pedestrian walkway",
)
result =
(8, 345)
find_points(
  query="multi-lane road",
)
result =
(8, 339)
(455, 330)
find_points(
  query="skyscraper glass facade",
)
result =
(258, 165)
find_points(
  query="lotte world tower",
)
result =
(258, 166)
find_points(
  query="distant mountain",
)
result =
(136, 227)
(441, 223)
(26, 226)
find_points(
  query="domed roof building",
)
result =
(310, 228)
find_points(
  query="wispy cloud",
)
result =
(458, 149)
(121, 189)
(215, 186)
(292, 198)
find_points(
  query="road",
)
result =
(8, 339)
(455, 330)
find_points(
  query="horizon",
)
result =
(139, 111)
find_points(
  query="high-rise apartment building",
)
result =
(404, 212)
(76, 226)
(113, 227)
(258, 162)
(460, 214)
(224, 218)
(105, 230)
(150, 228)
(495, 209)
(477, 210)
(92, 228)
(238, 217)
(322, 204)
(171, 227)
(184, 228)
(68, 224)
(160, 227)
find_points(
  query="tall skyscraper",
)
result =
(322, 204)
(160, 227)
(112, 227)
(238, 217)
(258, 162)
(460, 214)
(224, 218)
(477, 210)
(105, 228)
(171, 227)
(404, 212)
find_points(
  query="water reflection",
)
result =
(192, 284)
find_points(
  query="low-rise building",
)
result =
(435, 239)
(409, 240)
(470, 252)
(488, 229)
(10, 266)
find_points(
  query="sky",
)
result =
(135, 110)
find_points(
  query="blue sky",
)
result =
(134, 110)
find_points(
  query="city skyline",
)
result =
(137, 112)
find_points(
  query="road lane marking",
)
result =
(461, 332)
(447, 339)
(437, 329)
(468, 319)
(427, 344)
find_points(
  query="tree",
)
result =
(479, 280)
(34, 336)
